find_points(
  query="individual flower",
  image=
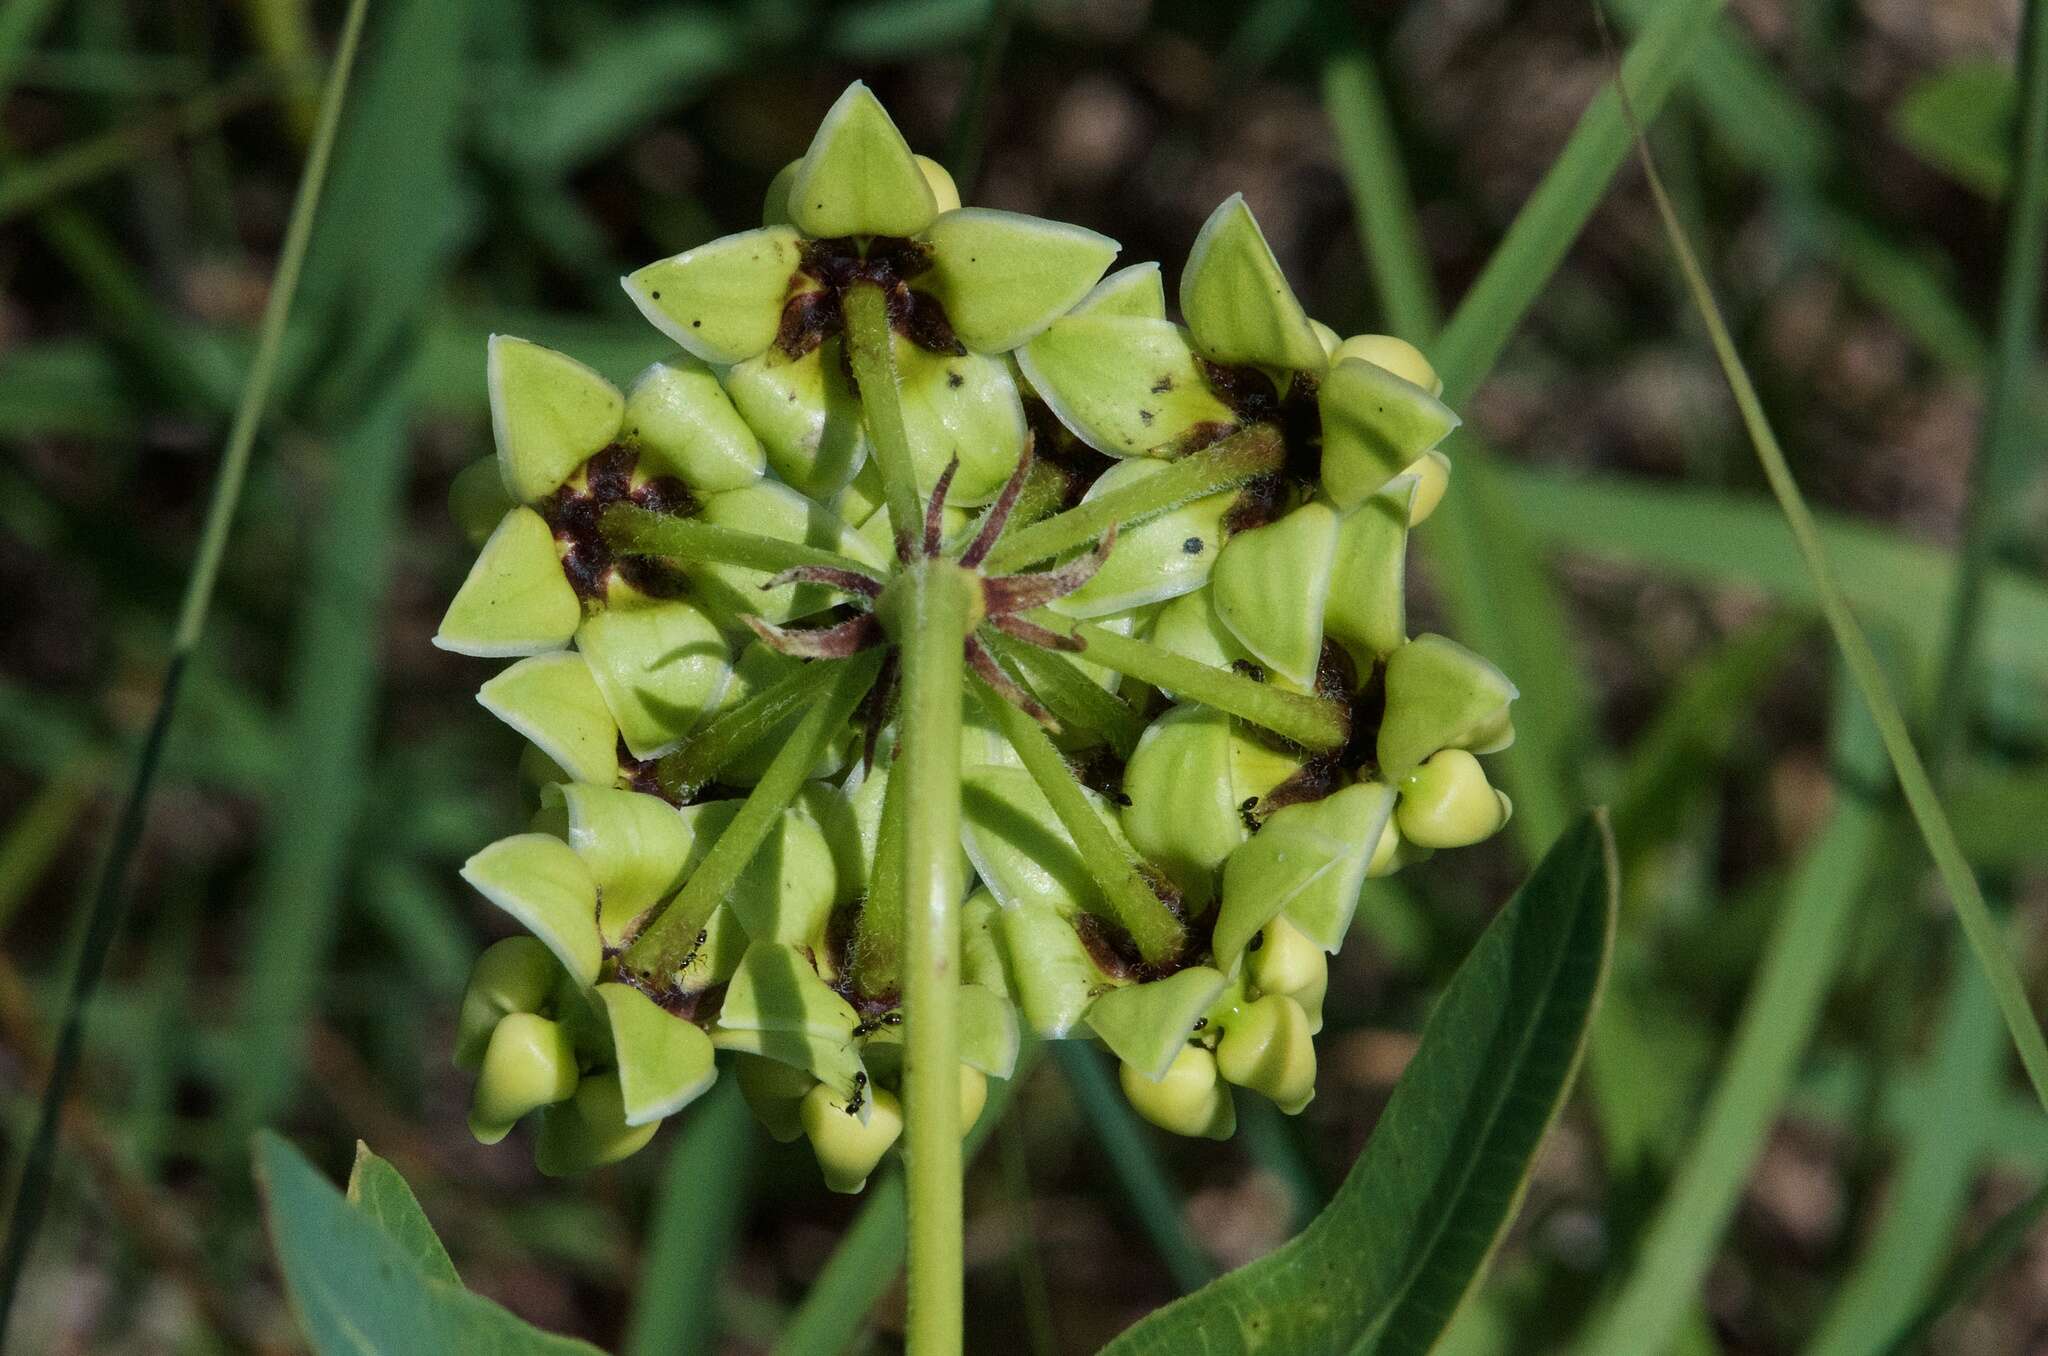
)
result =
(963, 286)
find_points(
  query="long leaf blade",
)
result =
(1383, 1269)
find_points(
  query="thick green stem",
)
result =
(874, 370)
(1244, 455)
(660, 950)
(926, 610)
(686, 771)
(1316, 723)
(1132, 902)
(636, 531)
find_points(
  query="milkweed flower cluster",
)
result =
(1197, 724)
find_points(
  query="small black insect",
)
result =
(1248, 669)
(1244, 812)
(1200, 1022)
(860, 1094)
(1192, 546)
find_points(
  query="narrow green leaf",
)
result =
(1998, 1245)
(1386, 1265)
(360, 1291)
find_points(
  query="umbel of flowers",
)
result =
(1195, 723)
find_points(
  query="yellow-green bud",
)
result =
(973, 1096)
(514, 975)
(1387, 857)
(1285, 960)
(775, 202)
(774, 1091)
(945, 192)
(477, 500)
(530, 1062)
(1398, 356)
(1432, 472)
(1267, 1048)
(1447, 802)
(1188, 1100)
(590, 1130)
(848, 1150)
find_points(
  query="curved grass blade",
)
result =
(1778, 1017)
(1385, 1267)
(1956, 876)
(103, 921)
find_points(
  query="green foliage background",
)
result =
(1799, 1109)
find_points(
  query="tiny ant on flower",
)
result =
(1244, 812)
(860, 1094)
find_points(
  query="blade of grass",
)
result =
(42, 827)
(1962, 1280)
(1961, 884)
(697, 1215)
(1778, 1017)
(109, 894)
(1356, 101)
(29, 185)
(1929, 1191)
(1134, 1159)
(968, 138)
(392, 218)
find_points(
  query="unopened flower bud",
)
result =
(1398, 356)
(1432, 472)
(847, 1149)
(1287, 962)
(1188, 1100)
(1267, 1048)
(945, 193)
(1447, 802)
(774, 1092)
(477, 500)
(529, 1063)
(589, 1130)
(973, 1096)
(514, 975)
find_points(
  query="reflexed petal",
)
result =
(1051, 973)
(665, 1063)
(1018, 845)
(988, 1031)
(660, 665)
(1237, 301)
(769, 509)
(1162, 557)
(787, 892)
(1374, 427)
(1309, 862)
(541, 881)
(589, 1130)
(1188, 781)
(776, 990)
(981, 956)
(806, 413)
(1189, 627)
(553, 701)
(1003, 276)
(638, 848)
(1441, 695)
(859, 176)
(1136, 290)
(1146, 1025)
(685, 425)
(1367, 612)
(549, 414)
(721, 301)
(1124, 384)
(516, 600)
(1270, 587)
(965, 407)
